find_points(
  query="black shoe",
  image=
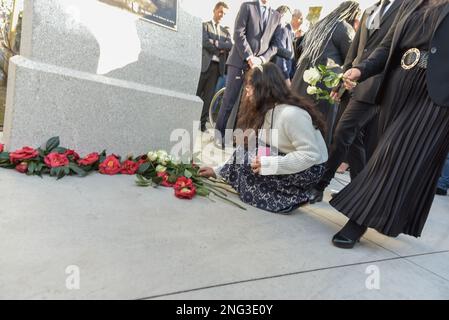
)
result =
(349, 235)
(334, 194)
(203, 127)
(441, 192)
(342, 242)
(315, 196)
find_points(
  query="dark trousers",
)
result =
(349, 142)
(234, 82)
(206, 88)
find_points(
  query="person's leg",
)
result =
(221, 82)
(201, 83)
(209, 90)
(355, 117)
(443, 182)
(371, 136)
(356, 156)
(234, 82)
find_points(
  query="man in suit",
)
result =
(256, 35)
(216, 46)
(361, 112)
(287, 38)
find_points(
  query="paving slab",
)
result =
(398, 279)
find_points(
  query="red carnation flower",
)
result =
(25, 153)
(183, 182)
(89, 160)
(129, 167)
(186, 193)
(72, 155)
(110, 166)
(2, 147)
(165, 182)
(22, 168)
(56, 160)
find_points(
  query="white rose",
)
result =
(312, 90)
(162, 154)
(312, 76)
(152, 156)
(160, 169)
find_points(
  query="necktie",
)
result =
(264, 16)
(383, 7)
(377, 20)
(217, 31)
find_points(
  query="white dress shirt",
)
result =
(217, 32)
(371, 22)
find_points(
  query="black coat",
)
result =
(383, 58)
(364, 44)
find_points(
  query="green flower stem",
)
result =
(229, 200)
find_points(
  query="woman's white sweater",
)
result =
(302, 143)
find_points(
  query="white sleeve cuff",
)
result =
(269, 166)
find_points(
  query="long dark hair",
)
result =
(270, 89)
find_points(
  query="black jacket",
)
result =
(209, 49)
(383, 58)
(364, 44)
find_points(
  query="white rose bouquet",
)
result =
(324, 76)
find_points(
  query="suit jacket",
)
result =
(250, 38)
(209, 49)
(286, 43)
(364, 44)
(383, 58)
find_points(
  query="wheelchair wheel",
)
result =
(215, 106)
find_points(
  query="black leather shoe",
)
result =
(441, 192)
(315, 196)
(203, 127)
(342, 242)
(334, 194)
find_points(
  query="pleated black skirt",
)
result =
(395, 191)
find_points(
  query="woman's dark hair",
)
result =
(270, 89)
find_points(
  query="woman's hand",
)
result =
(207, 172)
(335, 96)
(256, 165)
(350, 78)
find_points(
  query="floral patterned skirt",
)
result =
(277, 193)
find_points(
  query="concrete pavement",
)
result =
(128, 242)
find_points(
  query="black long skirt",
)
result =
(395, 191)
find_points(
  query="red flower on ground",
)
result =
(72, 155)
(184, 188)
(89, 160)
(110, 166)
(56, 160)
(25, 153)
(165, 182)
(129, 167)
(186, 193)
(22, 168)
(2, 147)
(183, 182)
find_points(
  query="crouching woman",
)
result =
(290, 152)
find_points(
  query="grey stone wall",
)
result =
(100, 77)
